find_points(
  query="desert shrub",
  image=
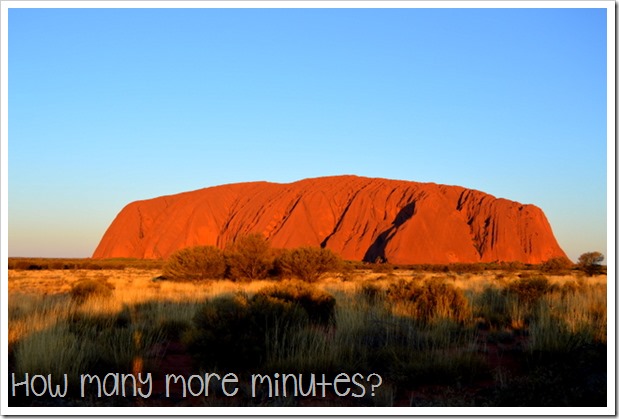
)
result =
(87, 288)
(249, 257)
(381, 266)
(461, 268)
(426, 267)
(318, 305)
(225, 334)
(511, 266)
(439, 298)
(307, 263)
(572, 287)
(347, 271)
(195, 263)
(558, 265)
(440, 268)
(529, 290)
(232, 331)
(403, 290)
(372, 293)
(91, 266)
(78, 263)
(431, 300)
(56, 264)
(500, 276)
(418, 276)
(25, 265)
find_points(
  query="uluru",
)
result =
(363, 219)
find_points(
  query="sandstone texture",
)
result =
(359, 218)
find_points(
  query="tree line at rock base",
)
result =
(251, 257)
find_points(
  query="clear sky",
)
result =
(109, 106)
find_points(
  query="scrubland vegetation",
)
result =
(459, 335)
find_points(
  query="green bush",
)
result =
(88, 288)
(195, 263)
(249, 257)
(307, 263)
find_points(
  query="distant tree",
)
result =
(590, 262)
(249, 257)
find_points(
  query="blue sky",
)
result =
(109, 106)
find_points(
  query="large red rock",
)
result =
(359, 218)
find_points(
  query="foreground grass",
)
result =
(511, 342)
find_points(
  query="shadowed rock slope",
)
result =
(359, 218)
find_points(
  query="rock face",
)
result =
(359, 218)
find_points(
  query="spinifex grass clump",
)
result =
(529, 290)
(429, 300)
(372, 293)
(91, 287)
(491, 307)
(55, 350)
(82, 338)
(230, 331)
(565, 321)
(235, 331)
(319, 305)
